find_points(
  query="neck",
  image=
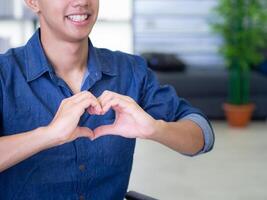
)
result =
(66, 57)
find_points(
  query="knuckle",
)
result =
(132, 106)
(86, 93)
(130, 99)
(106, 92)
(64, 101)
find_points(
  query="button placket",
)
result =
(82, 167)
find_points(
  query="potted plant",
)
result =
(242, 25)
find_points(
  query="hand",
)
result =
(64, 127)
(131, 120)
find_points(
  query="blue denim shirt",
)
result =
(30, 95)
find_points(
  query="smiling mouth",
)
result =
(78, 18)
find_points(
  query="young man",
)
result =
(70, 112)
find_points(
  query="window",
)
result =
(177, 26)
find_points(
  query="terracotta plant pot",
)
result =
(238, 115)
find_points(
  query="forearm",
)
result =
(18, 147)
(183, 136)
(61, 130)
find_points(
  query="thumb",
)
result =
(104, 130)
(84, 132)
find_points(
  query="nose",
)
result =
(79, 3)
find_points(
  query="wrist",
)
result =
(49, 137)
(158, 129)
(40, 139)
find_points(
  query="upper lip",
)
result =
(79, 13)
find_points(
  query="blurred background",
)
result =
(184, 48)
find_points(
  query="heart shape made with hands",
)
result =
(99, 108)
(131, 120)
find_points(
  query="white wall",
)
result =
(114, 29)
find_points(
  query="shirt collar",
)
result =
(37, 63)
(99, 62)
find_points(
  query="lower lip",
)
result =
(80, 23)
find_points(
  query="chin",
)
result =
(78, 37)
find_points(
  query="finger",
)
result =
(81, 95)
(87, 102)
(116, 104)
(84, 96)
(87, 96)
(105, 96)
(95, 111)
(76, 98)
(108, 96)
(73, 100)
(84, 132)
(96, 107)
(91, 110)
(105, 130)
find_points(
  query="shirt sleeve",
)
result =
(1, 104)
(162, 102)
(206, 130)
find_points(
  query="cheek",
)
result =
(96, 13)
(95, 5)
(52, 16)
(51, 9)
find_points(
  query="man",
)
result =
(70, 112)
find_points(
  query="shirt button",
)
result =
(82, 197)
(82, 168)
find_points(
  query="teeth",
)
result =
(78, 18)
